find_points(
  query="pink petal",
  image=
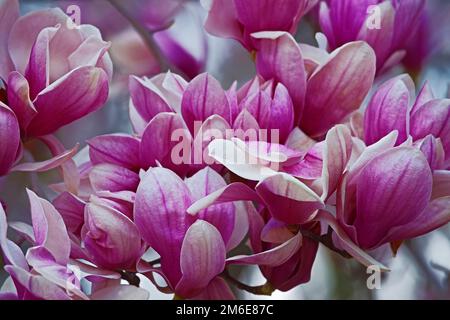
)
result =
(221, 216)
(110, 177)
(233, 192)
(217, 289)
(9, 11)
(46, 165)
(279, 58)
(273, 257)
(289, 200)
(25, 31)
(80, 92)
(204, 97)
(338, 87)
(160, 141)
(388, 110)
(405, 176)
(49, 229)
(19, 99)
(71, 209)
(162, 199)
(347, 243)
(121, 292)
(441, 184)
(222, 20)
(118, 149)
(202, 258)
(10, 137)
(38, 68)
(336, 154)
(147, 98)
(111, 238)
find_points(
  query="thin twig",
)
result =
(145, 34)
(131, 277)
(325, 240)
(264, 290)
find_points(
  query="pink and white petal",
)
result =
(46, 165)
(221, 216)
(336, 154)
(9, 10)
(298, 140)
(147, 98)
(203, 98)
(272, 257)
(78, 93)
(347, 243)
(160, 207)
(89, 53)
(202, 258)
(10, 137)
(49, 229)
(19, 99)
(288, 199)
(241, 225)
(38, 68)
(238, 161)
(118, 149)
(121, 292)
(279, 58)
(441, 184)
(160, 141)
(110, 177)
(25, 31)
(236, 191)
(71, 209)
(338, 87)
(11, 252)
(217, 289)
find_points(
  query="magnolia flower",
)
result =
(325, 88)
(47, 271)
(238, 19)
(192, 232)
(426, 119)
(389, 27)
(384, 196)
(58, 73)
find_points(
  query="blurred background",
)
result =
(421, 269)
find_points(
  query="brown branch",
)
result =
(131, 277)
(146, 35)
(325, 240)
(264, 290)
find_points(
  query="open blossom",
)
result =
(426, 118)
(385, 196)
(55, 73)
(238, 19)
(193, 243)
(325, 88)
(47, 271)
(389, 27)
(58, 73)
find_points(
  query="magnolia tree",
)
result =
(326, 145)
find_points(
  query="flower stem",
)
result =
(265, 290)
(131, 277)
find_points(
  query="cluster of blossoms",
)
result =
(287, 161)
